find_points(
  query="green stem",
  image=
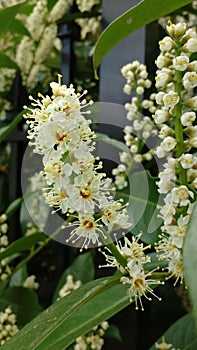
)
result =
(115, 252)
(180, 148)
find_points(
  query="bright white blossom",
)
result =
(73, 183)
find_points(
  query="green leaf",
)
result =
(115, 143)
(190, 260)
(50, 4)
(22, 244)
(13, 206)
(17, 26)
(23, 302)
(181, 334)
(18, 277)
(4, 132)
(77, 313)
(6, 62)
(143, 13)
(143, 198)
(82, 269)
(7, 16)
(113, 332)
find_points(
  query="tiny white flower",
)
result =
(192, 103)
(181, 195)
(190, 80)
(140, 90)
(180, 63)
(169, 143)
(170, 99)
(159, 97)
(161, 116)
(163, 345)
(134, 148)
(127, 89)
(162, 79)
(187, 161)
(69, 286)
(177, 29)
(160, 153)
(166, 44)
(191, 45)
(188, 118)
(162, 61)
(138, 158)
(30, 282)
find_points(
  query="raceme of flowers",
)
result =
(175, 116)
(32, 52)
(5, 270)
(141, 127)
(75, 185)
(8, 326)
(94, 338)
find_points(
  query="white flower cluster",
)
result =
(8, 326)
(8, 3)
(59, 132)
(69, 286)
(86, 5)
(34, 50)
(136, 276)
(93, 340)
(5, 270)
(141, 127)
(89, 26)
(175, 116)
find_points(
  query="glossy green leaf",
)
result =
(17, 26)
(13, 206)
(58, 326)
(6, 62)
(23, 302)
(143, 198)
(143, 13)
(22, 244)
(82, 269)
(115, 143)
(190, 259)
(181, 334)
(5, 131)
(7, 16)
